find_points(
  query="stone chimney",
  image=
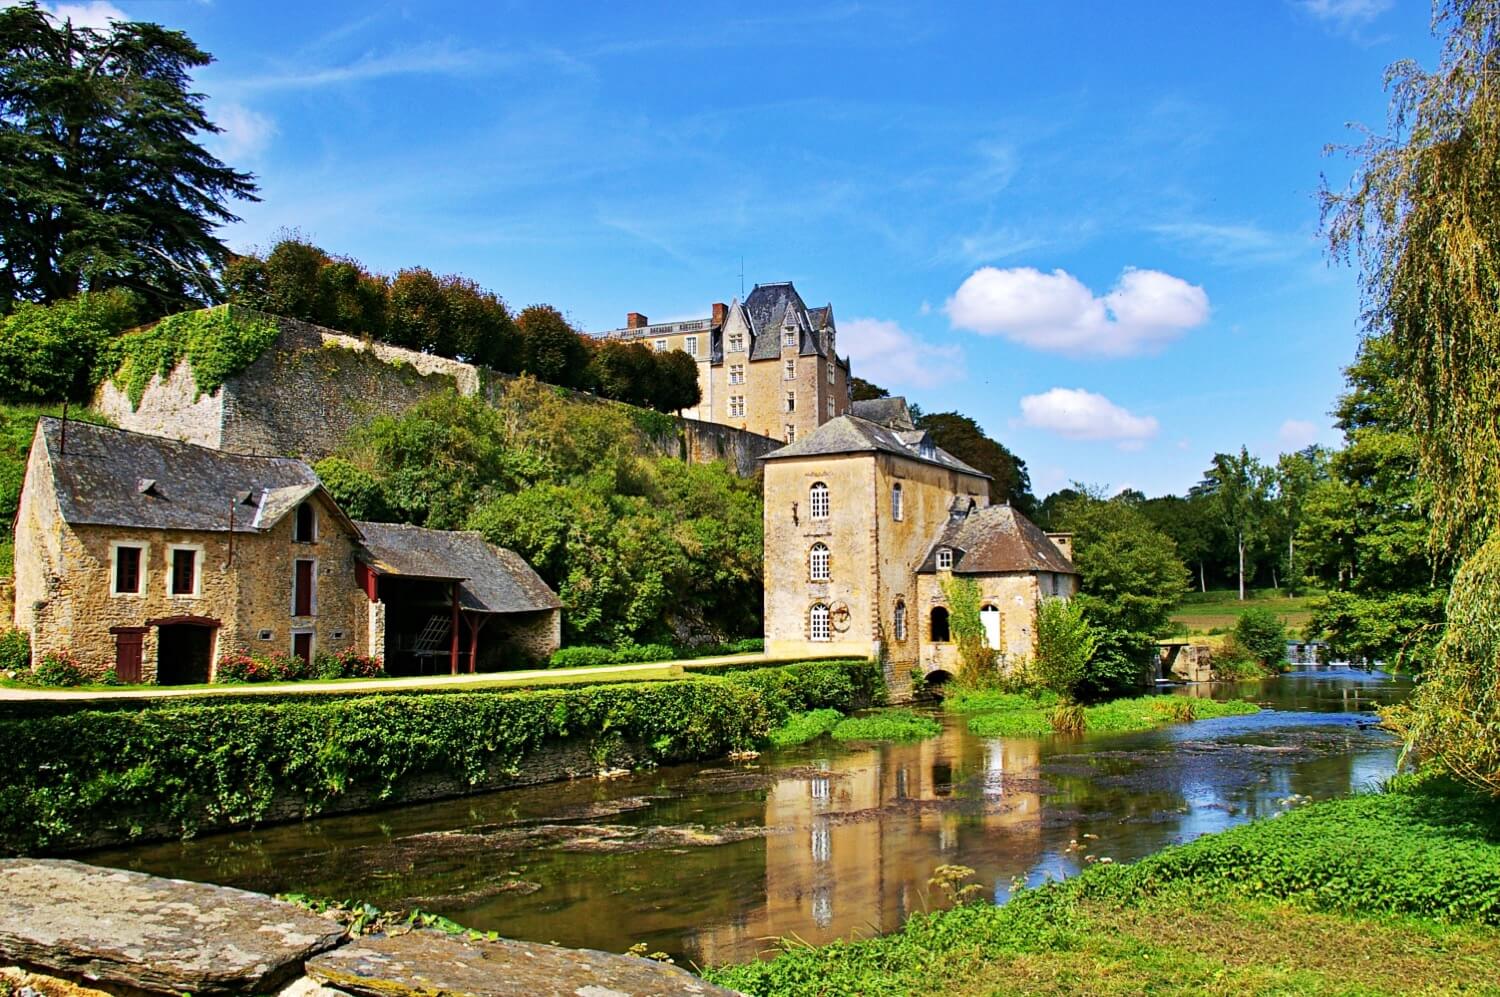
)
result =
(721, 312)
(1063, 542)
(635, 320)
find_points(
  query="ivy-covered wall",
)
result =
(306, 387)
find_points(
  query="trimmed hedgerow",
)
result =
(838, 685)
(69, 778)
(217, 343)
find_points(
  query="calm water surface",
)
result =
(712, 862)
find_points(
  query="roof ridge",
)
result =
(171, 440)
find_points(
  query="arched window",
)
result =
(818, 628)
(945, 558)
(900, 619)
(306, 528)
(990, 617)
(896, 502)
(817, 501)
(817, 563)
(939, 627)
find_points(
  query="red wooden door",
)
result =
(302, 646)
(128, 655)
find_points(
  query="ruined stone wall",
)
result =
(315, 385)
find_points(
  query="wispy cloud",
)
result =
(96, 14)
(884, 352)
(426, 59)
(1346, 17)
(245, 133)
(1234, 244)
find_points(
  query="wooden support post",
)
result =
(453, 643)
(476, 623)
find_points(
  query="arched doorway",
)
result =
(938, 625)
(184, 649)
(990, 617)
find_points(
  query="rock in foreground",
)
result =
(139, 932)
(422, 963)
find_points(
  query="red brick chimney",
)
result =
(635, 320)
(721, 312)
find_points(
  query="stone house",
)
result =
(157, 558)
(767, 365)
(864, 520)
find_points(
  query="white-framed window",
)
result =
(789, 337)
(736, 373)
(184, 570)
(305, 529)
(690, 344)
(817, 501)
(945, 558)
(791, 401)
(127, 568)
(737, 406)
(830, 408)
(817, 563)
(791, 433)
(896, 508)
(899, 619)
(789, 370)
(818, 627)
(830, 371)
(661, 346)
(736, 342)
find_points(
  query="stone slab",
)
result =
(430, 963)
(131, 930)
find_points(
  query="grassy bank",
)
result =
(1385, 893)
(1220, 609)
(1008, 714)
(68, 776)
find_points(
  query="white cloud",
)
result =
(245, 134)
(1346, 13)
(1295, 434)
(1077, 414)
(1056, 311)
(888, 355)
(92, 14)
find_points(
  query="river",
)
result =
(712, 862)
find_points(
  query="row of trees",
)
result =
(452, 316)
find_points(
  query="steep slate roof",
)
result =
(994, 540)
(492, 579)
(848, 434)
(891, 413)
(111, 477)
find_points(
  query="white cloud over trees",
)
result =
(1057, 312)
(1076, 414)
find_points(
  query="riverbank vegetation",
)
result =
(1394, 892)
(71, 775)
(887, 725)
(1021, 715)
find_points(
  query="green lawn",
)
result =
(1201, 612)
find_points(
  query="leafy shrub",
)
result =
(1261, 632)
(1067, 718)
(887, 725)
(347, 664)
(582, 656)
(1232, 661)
(1065, 644)
(1119, 666)
(803, 727)
(49, 352)
(789, 689)
(58, 668)
(15, 651)
(278, 666)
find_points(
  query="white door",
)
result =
(990, 617)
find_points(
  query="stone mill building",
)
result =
(865, 518)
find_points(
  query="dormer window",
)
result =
(736, 342)
(927, 449)
(945, 558)
(306, 530)
(789, 338)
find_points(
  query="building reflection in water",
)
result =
(855, 842)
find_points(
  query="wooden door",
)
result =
(128, 655)
(302, 646)
(302, 589)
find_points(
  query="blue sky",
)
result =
(1091, 226)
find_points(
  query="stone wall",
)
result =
(315, 385)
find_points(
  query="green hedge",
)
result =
(205, 762)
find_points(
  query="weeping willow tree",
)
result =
(1421, 218)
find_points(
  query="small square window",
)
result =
(945, 558)
(661, 346)
(737, 406)
(128, 569)
(736, 342)
(266, 634)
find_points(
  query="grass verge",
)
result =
(887, 725)
(1016, 715)
(803, 727)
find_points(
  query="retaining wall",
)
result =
(303, 396)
